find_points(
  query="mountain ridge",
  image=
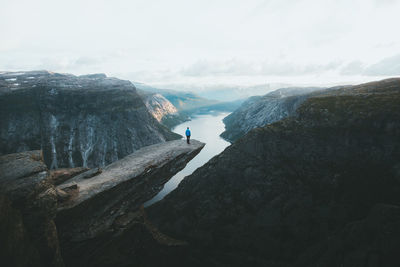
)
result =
(89, 120)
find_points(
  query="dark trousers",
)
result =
(188, 139)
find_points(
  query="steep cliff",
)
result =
(182, 100)
(159, 106)
(320, 188)
(89, 120)
(162, 110)
(258, 111)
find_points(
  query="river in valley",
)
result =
(206, 129)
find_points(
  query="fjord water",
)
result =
(205, 128)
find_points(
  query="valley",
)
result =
(90, 176)
(206, 128)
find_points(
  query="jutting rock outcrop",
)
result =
(89, 213)
(88, 121)
(320, 188)
(102, 207)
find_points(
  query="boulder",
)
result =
(59, 176)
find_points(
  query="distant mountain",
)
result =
(162, 110)
(187, 104)
(229, 93)
(181, 100)
(258, 111)
(233, 93)
(229, 106)
(89, 120)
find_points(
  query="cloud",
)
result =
(293, 69)
(267, 68)
(353, 68)
(384, 3)
(71, 63)
(202, 41)
(87, 61)
(389, 66)
(229, 67)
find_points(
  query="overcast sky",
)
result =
(205, 41)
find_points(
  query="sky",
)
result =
(186, 43)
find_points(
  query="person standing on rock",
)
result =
(188, 135)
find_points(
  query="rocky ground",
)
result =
(89, 120)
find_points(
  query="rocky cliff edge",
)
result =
(47, 225)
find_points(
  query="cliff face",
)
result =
(85, 121)
(183, 101)
(162, 110)
(159, 106)
(258, 111)
(321, 188)
(28, 205)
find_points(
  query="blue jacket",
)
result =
(187, 132)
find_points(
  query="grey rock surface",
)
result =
(143, 161)
(88, 121)
(96, 207)
(20, 165)
(61, 175)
